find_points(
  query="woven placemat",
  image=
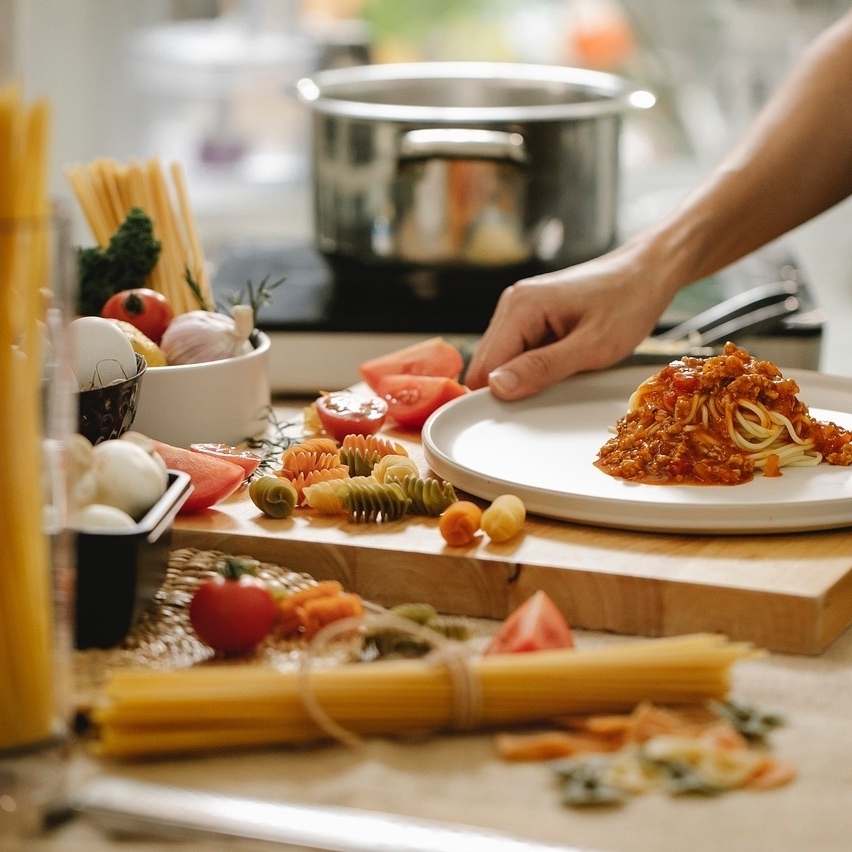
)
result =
(163, 636)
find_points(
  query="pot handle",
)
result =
(463, 142)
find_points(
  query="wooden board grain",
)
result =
(789, 593)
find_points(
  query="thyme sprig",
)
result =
(257, 298)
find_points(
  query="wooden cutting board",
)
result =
(788, 593)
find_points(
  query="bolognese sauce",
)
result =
(714, 421)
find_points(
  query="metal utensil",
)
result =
(745, 311)
(126, 806)
(753, 311)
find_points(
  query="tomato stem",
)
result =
(232, 567)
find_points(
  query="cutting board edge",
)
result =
(606, 601)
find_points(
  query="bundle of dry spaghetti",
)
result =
(107, 190)
(26, 645)
(146, 712)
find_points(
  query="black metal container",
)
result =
(119, 571)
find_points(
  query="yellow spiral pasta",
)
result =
(326, 495)
(396, 467)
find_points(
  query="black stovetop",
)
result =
(325, 296)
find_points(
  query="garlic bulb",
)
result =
(198, 336)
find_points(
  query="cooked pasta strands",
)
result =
(149, 712)
(107, 190)
(714, 421)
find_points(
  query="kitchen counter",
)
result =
(459, 778)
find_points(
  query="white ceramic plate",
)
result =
(543, 449)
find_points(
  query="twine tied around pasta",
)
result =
(466, 711)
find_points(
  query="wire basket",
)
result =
(108, 412)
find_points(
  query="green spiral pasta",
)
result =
(359, 460)
(428, 496)
(375, 501)
(273, 495)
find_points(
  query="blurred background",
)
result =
(207, 82)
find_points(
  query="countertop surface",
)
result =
(460, 779)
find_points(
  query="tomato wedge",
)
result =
(536, 625)
(246, 459)
(213, 479)
(432, 357)
(411, 399)
(343, 413)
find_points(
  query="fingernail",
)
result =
(504, 382)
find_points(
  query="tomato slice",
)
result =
(213, 479)
(411, 399)
(343, 413)
(536, 625)
(432, 357)
(246, 459)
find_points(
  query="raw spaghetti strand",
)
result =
(107, 190)
(26, 638)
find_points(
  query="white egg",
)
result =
(97, 516)
(101, 352)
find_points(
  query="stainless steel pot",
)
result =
(466, 166)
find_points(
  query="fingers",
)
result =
(521, 321)
(532, 371)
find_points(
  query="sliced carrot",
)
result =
(548, 745)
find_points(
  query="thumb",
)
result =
(529, 373)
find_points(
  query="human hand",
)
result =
(546, 328)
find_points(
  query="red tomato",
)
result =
(432, 357)
(247, 460)
(411, 399)
(148, 310)
(345, 413)
(232, 615)
(213, 479)
(535, 625)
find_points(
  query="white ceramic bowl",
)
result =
(217, 401)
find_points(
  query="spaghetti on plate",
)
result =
(716, 420)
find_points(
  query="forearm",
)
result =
(794, 162)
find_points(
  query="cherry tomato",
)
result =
(535, 625)
(233, 612)
(146, 309)
(432, 357)
(246, 459)
(345, 413)
(411, 399)
(213, 479)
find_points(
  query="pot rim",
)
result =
(335, 92)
